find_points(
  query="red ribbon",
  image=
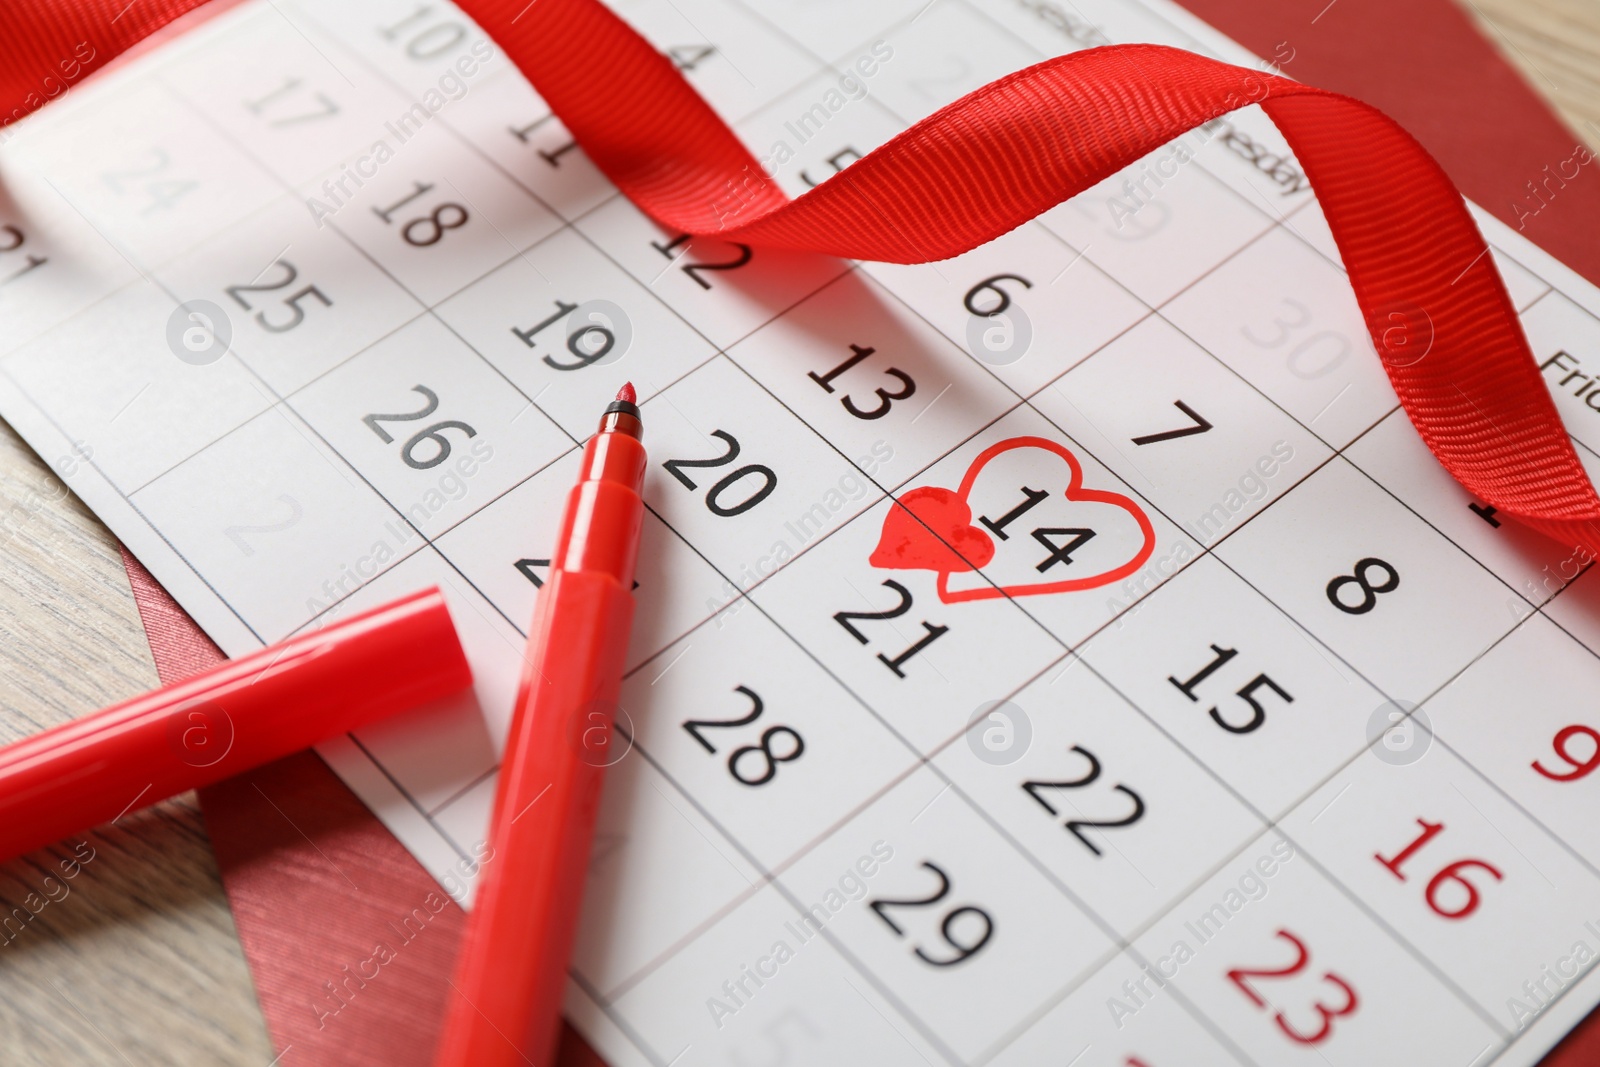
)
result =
(995, 159)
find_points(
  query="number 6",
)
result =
(434, 433)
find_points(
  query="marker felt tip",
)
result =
(505, 1002)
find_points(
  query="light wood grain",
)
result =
(132, 958)
(138, 963)
(1556, 46)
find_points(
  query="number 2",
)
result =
(766, 480)
(696, 270)
(236, 533)
(1076, 826)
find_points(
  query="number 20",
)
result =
(765, 477)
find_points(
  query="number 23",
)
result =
(1240, 976)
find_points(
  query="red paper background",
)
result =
(1425, 63)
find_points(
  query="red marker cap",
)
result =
(238, 715)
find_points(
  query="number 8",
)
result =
(438, 224)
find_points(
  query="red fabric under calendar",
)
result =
(271, 874)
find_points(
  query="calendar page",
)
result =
(1067, 653)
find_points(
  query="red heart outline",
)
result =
(1074, 491)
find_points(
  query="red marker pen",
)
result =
(505, 1006)
(221, 722)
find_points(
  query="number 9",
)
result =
(1580, 768)
(963, 951)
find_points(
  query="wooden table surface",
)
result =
(135, 961)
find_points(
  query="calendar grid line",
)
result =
(273, 398)
(1438, 972)
(1125, 944)
(1557, 623)
(1026, 403)
(1191, 42)
(604, 237)
(1151, 311)
(1532, 817)
(1417, 953)
(574, 223)
(471, 784)
(1532, 273)
(1159, 310)
(618, 1020)
(1126, 947)
(1436, 529)
(822, 61)
(152, 80)
(273, 401)
(1274, 824)
(979, 808)
(920, 761)
(925, 760)
(771, 878)
(1337, 454)
(888, 494)
(430, 309)
(1592, 966)
(1536, 301)
(112, 485)
(768, 873)
(400, 788)
(1337, 449)
(1269, 825)
(574, 226)
(428, 543)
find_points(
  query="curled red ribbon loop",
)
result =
(998, 157)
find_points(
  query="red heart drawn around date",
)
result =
(931, 529)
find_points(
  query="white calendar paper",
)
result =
(1217, 726)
